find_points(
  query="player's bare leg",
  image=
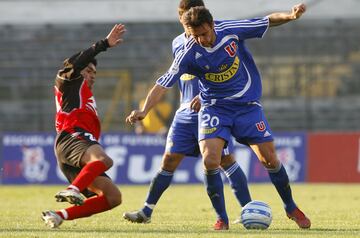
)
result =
(267, 156)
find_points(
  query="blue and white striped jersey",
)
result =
(188, 86)
(227, 70)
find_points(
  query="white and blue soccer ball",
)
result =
(256, 215)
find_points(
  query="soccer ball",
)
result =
(256, 215)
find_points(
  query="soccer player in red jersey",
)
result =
(79, 154)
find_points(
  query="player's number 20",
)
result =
(208, 120)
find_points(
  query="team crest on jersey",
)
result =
(231, 49)
(226, 75)
(261, 126)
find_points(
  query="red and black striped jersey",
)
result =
(75, 102)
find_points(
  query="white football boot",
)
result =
(71, 196)
(51, 219)
(137, 217)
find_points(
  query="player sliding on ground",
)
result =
(79, 154)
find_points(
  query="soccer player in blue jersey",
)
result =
(182, 139)
(230, 92)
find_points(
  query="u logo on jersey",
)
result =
(261, 126)
(231, 49)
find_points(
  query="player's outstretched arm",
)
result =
(154, 96)
(279, 18)
(77, 62)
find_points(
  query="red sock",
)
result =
(91, 206)
(88, 173)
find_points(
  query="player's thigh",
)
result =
(103, 185)
(266, 153)
(96, 153)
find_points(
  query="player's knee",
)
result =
(170, 162)
(211, 159)
(211, 163)
(270, 164)
(269, 159)
(114, 199)
(107, 161)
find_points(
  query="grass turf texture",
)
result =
(184, 211)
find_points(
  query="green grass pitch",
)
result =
(184, 211)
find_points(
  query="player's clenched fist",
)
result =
(298, 10)
(135, 116)
(195, 104)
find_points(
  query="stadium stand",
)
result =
(310, 72)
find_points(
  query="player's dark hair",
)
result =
(185, 5)
(93, 61)
(197, 16)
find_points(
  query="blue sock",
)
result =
(215, 191)
(238, 183)
(280, 180)
(158, 185)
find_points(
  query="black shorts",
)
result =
(69, 148)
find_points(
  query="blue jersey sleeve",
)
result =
(179, 66)
(244, 29)
(178, 43)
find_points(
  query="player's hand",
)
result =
(298, 10)
(135, 116)
(115, 36)
(195, 104)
